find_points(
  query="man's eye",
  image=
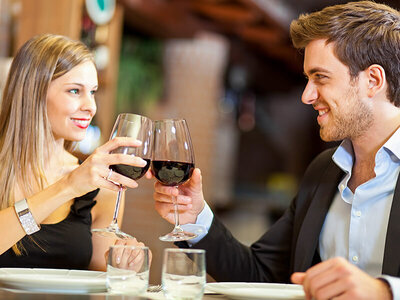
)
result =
(74, 91)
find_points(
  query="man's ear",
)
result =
(376, 79)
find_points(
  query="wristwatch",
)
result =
(25, 217)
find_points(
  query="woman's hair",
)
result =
(25, 131)
(363, 33)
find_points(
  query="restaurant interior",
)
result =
(226, 66)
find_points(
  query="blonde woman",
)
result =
(49, 201)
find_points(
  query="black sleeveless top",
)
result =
(64, 245)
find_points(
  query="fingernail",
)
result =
(118, 260)
(130, 265)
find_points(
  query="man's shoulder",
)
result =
(321, 163)
(326, 155)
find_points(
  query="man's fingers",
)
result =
(166, 190)
(298, 277)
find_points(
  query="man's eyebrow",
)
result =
(316, 70)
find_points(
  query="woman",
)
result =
(48, 103)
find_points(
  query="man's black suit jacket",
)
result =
(291, 244)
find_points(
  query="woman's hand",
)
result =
(126, 258)
(189, 197)
(94, 172)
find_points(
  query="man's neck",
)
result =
(366, 146)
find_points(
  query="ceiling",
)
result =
(255, 27)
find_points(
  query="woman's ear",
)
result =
(376, 79)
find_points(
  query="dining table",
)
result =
(60, 284)
(9, 294)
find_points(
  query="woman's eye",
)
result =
(93, 92)
(74, 91)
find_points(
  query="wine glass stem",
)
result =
(176, 214)
(114, 222)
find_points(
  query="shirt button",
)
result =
(358, 213)
(355, 258)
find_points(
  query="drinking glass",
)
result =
(183, 273)
(128, 269)
(173, 164)
(140, 128)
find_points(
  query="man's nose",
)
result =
(310, 93)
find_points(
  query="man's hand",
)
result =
(336, 278)
(189, 197)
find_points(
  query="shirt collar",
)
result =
(392, 145)
(343, 156)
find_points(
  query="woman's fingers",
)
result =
(128, 257)
(119, 142)
(126, 159)
(117, 179)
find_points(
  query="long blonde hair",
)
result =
(25, 131)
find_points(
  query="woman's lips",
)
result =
(81, 123)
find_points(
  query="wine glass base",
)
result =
(177, 236)
(112, 233)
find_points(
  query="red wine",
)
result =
(131, 171)
(171, 173)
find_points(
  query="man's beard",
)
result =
(351, 122)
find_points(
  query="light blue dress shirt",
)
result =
(356, 224)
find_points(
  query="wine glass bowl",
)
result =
(140, 128)
(173, 164)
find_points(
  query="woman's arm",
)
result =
(41, 206)
(88, 176)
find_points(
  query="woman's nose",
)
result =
(89, 103)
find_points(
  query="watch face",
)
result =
(100, 11)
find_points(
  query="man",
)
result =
(340, 237)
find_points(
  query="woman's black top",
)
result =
(64, 245)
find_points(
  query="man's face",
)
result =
(343, 109)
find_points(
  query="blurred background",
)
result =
(227, 66)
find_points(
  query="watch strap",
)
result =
(25, 217)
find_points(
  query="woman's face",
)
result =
(70, 102)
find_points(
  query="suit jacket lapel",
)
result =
(309, 233)
(391, 257)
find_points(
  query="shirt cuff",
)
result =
(394, 283)
(202, 225)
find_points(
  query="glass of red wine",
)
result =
(173, 164)
(140, 128)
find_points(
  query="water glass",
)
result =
(128, 269)
(183, 273)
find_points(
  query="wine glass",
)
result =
(173, 164)
(140, 128)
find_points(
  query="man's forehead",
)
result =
(319, 56)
